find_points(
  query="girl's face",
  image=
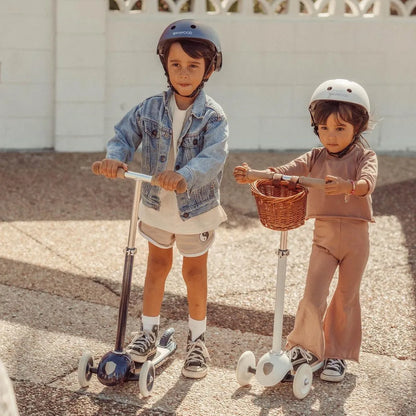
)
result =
(336, 134)
(185, 73)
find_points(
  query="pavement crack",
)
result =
(102, 282)
(47, 247)
(107, 285)
(62, 376)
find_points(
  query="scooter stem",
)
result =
(128, 270)
(280, 293)
(131, 242)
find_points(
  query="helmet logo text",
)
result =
(183, 32)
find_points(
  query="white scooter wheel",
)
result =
(84, 366)
(302, 381)
(246, 368)
(146, 378)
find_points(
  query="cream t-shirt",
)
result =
(168, 218)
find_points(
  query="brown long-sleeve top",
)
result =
(358, 163)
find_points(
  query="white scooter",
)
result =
(275, 366)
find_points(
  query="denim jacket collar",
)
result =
(198, 106)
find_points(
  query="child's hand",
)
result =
(169, 180)
(336, 186)
(109, 167)
(241, 174)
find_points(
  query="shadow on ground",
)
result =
(107, 292)
(60, 186)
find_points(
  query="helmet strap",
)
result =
(313, 124)
(337, 154)
(344, 151)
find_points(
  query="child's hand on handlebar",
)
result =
(109, 168)
(335, 185)
(241, 174)
(169, 180)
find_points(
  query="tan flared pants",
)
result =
(333, 332)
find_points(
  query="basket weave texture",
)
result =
(280, 207)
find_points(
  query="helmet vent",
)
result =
(349, 90)
(329, 88)
(173, 27)
(193, 27)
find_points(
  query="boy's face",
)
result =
(336, 134)
(185, 73)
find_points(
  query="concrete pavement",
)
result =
(62, 237)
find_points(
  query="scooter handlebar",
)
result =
(302, 180)
(122, 174)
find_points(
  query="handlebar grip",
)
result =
(181, 186)
(302, 180)
(121, 173)
(96, 168)
(259, 174)
(312, 182)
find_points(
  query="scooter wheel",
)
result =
(166, 338)
(84, 369)
(146, 378)
(246, 368)
(302, 382)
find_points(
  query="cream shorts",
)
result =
(189, 245)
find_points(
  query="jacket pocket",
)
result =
(192, 144)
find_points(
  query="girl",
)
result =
(183, 134)
(324, 335)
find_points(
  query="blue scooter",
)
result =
(116, 366)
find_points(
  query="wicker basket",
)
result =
(280, 206)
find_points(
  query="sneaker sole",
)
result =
(140, 359)
(333, 379)
(194, 374)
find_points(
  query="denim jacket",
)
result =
(201, 154)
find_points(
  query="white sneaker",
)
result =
(334, 370)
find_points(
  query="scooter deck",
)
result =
(161, 355)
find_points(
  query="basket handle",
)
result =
(301, 180)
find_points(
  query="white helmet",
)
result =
(342, 90)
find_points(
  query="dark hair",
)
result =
(194, 48)
(351, 113)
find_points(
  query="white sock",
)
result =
(197, 327)
(149, 321)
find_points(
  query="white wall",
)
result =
(80, 74)
(80, 77)
(271, 67)
(26, 74)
